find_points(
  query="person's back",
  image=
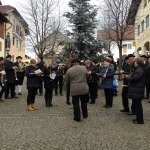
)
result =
(77, 79)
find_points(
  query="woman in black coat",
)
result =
(32, 84)
(67, 66)
(92, 80)
(137, 82)
(49, 82)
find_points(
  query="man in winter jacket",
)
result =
(76, 77)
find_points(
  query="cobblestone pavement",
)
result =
(54, 129)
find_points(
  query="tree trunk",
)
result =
(120, 61)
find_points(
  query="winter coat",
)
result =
(10, 72)
(21, 71)
(48, 82)
(32, 79)
(40, 66)
(148, 74)
(137, 84)
(76, 77)
(93, 78)
(59, 69)
(107, 83)
(2, 77)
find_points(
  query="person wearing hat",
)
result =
(3, 78)
(76, 76)
(11, 78)
(110, 57)
(59, 76)
(92, 80)
(146, 65)
(127, 69)
(20, 71)
(40, 64)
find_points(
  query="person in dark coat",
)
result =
(11, 77)
(107, 82)
(59, 76)
(127, 69)
(67, 66)
(20, 71)
(110, 57)
(32, 84)
(40, 65)
(148, 76)
(3, 78)
(137, 82)
(146, 65)
(92, 80)
(49, 82)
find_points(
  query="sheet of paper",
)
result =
(37, 71)
(53, 76)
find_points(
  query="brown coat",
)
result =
(76, 77)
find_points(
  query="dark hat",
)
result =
(143, 56)
(110, 56)
(75, 60)
(130, 55)
(8, 56)
(1, 58)
(18, 57)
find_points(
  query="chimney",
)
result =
(0, 2)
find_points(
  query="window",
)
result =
(129, 46)
(138, 30)
(14, 25)
(147, 21)
(17, 43)
(124, 48)
(13, 40)
(142, 25)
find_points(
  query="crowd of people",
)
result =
(81, 81)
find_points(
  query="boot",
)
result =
(34, 107)
(30, 108)
(50, 101)
(47, 101)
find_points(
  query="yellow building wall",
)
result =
(143, 40)
(14, 50)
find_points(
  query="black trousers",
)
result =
(48, 93)
(138, 110)
(2, 90)
(109, 97)
(93, 91)
(31, 95)
(60, 80)
(68, 92)
(11, 87)
(125, 101)
(40, 86)
(76, 106)
(20, 80)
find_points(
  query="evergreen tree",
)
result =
(83, 22)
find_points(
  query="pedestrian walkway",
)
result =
(54, 129)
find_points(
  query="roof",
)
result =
(3, 18)
(132, 11)
(105, 35)
(6, 9)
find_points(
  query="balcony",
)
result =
(18, 34)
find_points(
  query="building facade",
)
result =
(139, 16)
(127, 44)
(14, 33)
